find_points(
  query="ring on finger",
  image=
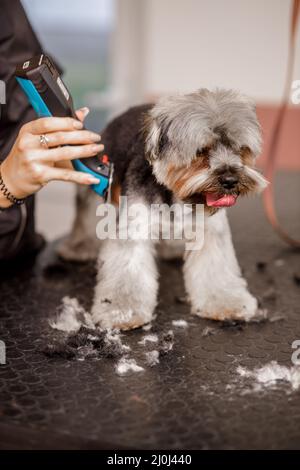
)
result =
(44, 141)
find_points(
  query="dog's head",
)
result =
(203, 146)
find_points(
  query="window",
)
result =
(77, 34)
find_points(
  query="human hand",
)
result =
(30, 165)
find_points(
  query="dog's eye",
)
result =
(203, 152)
(247, 156)
(245, 149)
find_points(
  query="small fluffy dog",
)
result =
(194, 148)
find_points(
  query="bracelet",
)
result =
(7, 193)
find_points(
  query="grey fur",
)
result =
(218, 123)
(196, 120)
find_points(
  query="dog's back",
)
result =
(124, 142)
(123, 138)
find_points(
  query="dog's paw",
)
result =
(227, 307)
(79, 251)
(108, 314)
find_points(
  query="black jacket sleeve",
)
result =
(17, 43)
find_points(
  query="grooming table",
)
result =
(194, 397)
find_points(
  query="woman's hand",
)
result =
(30, 165)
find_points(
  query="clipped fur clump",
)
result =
(272, 375)
(71, 316)
(153, 338)
(180, 323)
(88, 343)
(152, 357)
(126, 365)
(59, 350)
(166, 343)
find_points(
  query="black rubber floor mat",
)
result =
(193, 398)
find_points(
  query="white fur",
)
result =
(180, 323)
(259, 179)
(271, 374)
(148, 338)
(126, 292)
(152, 357)
(128, 280)
(195, 182)
(212, 276)
(71, 316)
(127, 365)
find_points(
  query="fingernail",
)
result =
(85, 111)
(97, 147)
(96, 137)
(93, 180)
(77, 124)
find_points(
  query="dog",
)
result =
(196, 148)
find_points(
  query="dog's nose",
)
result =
(228, 181)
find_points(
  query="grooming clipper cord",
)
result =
(107, 195)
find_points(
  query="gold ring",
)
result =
(44, 141)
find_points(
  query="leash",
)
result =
(268, 196)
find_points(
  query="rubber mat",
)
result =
(193, 398)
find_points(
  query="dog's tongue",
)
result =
(213, 200)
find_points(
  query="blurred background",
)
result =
(117, 53)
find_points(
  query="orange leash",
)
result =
(273, 149)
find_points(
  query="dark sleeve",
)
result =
(17, 43)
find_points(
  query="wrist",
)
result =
(5, 173)
(4, 202)
(7, 197)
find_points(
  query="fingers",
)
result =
(69, 152)
(55, 139)
(51, 124)
(82, 113)
(69, 175)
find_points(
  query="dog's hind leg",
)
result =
(82, 243)
(170, 249)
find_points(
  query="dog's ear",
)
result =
(156, 137)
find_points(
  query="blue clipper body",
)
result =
(49, 96)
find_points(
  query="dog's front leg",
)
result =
(126, 292)
(212, 276)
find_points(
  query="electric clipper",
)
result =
(49, 96)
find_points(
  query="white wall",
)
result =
(128, 54)
(187, 44)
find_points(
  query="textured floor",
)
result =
(194, 398)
